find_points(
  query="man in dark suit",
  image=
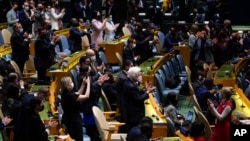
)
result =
(44, 54)
(20, 46)
(75, 34)
(129, 51)
(33, 127)
(25, 18)
(133, 98)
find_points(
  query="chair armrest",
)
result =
(212, 127)
(116, 125)
(109, 115)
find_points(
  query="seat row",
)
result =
(173, 68)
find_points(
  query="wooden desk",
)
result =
(4, 50)
(57, 72)
(110, 48)
(242, 103)
(183, 137)
(225, 75)
(160, 123)
(228, 72)
(150, 66)
(185, 53)
(3, 25)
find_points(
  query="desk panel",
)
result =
(184, 51)
(110, 49)
(242, 103)
(183, 137)
(4, 50)
(160, 123)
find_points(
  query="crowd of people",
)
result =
(208, 44)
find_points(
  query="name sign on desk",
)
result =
(238, 132)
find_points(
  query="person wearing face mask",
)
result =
(44, 54)
(129, 51)
(20, 46)
(131, 25)
(133, 98)
(97, 28)
(110, 29)
(71, 106)
(33, 127)
(75, 35)
(38, 18)
(12, 16)
(25, 17)
(56, 15)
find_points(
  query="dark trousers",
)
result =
(20, 63)
(92, 132)
(41, 74)
(73, 124)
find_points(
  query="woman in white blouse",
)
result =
(110, 29)
(56, 15)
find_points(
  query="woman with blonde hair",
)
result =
(71, 106)
(223, 115)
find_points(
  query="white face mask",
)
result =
(72, 85)
(93, 58)
(134, 45)
(139, 79)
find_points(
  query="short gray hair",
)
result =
(133, 71)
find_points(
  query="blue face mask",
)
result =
(110, 19)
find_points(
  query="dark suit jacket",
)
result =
(75, 41)
(20, 47)
(122, 76)
(44, 53)
(33, 128)
(25, 21)
(133, 100)
(128, 54)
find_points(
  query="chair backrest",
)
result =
(126, 31)
(196, 103)
(161, 37)
(171, 68)
(85, 42)
(170, 128)
(6, 36)
(101, 122)
(1, 39)
(119, 58)
(64, 41)
(181, 62)
(175, 65)
(188, 71)
(159, 84)
(103, 57)
(204, 120)
(17, 69)
(74, 78)
(105, 101)
(196, 113)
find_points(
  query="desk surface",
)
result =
(183, 137)
(73, 60)
(241, 102)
